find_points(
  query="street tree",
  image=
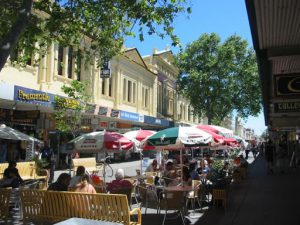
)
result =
(29, 26)
(218, 78)
(69, 111)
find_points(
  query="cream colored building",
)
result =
(126, 100)
(170, 104)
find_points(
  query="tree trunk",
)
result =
(10, 40)
(209, 120)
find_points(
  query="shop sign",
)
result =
(286, 107)
(123, 125)
(103, 124)
(105, 71)
(102, 111)
(287, 85)
(141, 118)
(129, 116)
(66, 102)
(90, 108)
(115, 113)
(156, 121)
(33, 96)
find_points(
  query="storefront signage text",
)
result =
(129, 116)
(33, 96)
(283, 107)
(287, 85)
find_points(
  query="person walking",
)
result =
(269, 156)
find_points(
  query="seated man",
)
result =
(119, 182)
(11, 176)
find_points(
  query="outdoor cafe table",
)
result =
(82, 221)
(179, 188)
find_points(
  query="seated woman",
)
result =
(153, 167)
(77, 178)
(169, 174)
(11, 176)
(119, 182)
(84, 186)
(61, 183)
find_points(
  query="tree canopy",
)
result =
(30, 25)
(219, 78)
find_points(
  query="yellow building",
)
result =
(127, 99)
(170, 104)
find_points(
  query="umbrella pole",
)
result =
(141, 158)
(181, 162)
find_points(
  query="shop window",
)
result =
(145, 97)
(129, 90)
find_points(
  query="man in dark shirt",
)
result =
(11, 176)
(269, 156)
(61, 184)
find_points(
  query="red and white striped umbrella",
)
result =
(99, 141)
(137, 136)
(221, 135)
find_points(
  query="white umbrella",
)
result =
(99, 141)
(12, 134)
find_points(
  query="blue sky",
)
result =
(224, 17)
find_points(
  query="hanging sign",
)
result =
(105, 70)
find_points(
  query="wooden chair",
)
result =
(219, 195)
(4, 203)
(173, 200)
(50, 207)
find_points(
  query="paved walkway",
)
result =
(260, 199)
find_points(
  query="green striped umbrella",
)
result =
(178, 138)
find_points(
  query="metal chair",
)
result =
(173, 200)
(148, 198)
(194, 195)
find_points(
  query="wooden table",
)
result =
(81, 221)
